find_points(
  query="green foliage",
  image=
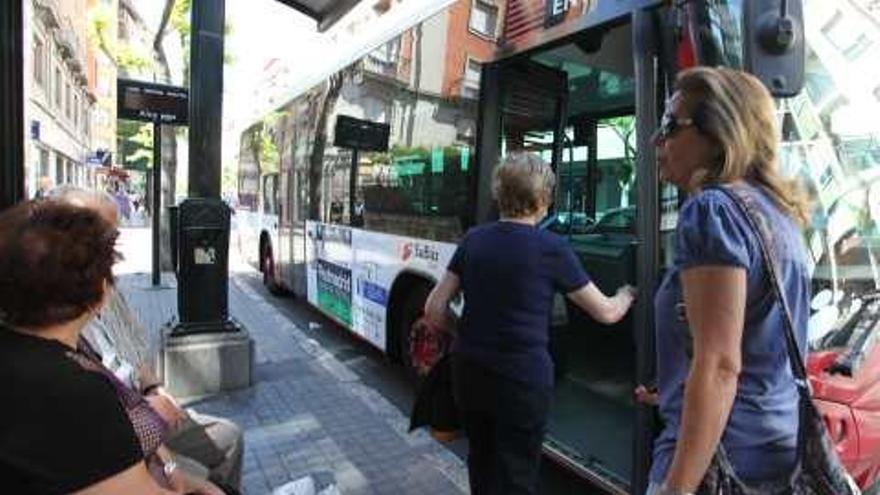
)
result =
(135, 144)
(261, 143)
(100, 26)
(269, 155)
(180, 21)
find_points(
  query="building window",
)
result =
(847, 35)
(484, 18)
(39, 62)
(859, 47)
(387, 53)
(86, 120)
(67, 107)
(59, 170)
(58, 87)
(76, 109)
(470, 87)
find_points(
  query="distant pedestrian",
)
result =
(723, 367)
(509, 272)
(45, 187)
(123, 204)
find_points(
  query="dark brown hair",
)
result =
(54, 261)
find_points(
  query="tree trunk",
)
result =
(169, 146)
(316, 159)
(417, 82)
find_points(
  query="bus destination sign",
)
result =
(151, 102)
(362, 135)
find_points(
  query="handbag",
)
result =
(434, 406)
(818, 470)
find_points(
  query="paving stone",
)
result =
(307, 414)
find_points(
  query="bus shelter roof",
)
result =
(325, 12)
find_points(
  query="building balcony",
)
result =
(71, 50)
(47, 12)
(380, 67)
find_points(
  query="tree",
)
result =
(322, 103)
(168, 153)
(625, 128)
(261, 144)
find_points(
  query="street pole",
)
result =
(157, 202)
(206, 351)
(206, 98)
(11, 103)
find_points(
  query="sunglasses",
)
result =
(670, 125)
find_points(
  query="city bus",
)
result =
(386, 163)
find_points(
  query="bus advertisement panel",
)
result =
(351, 273)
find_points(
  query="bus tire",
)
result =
(267, 263)
(409, 313)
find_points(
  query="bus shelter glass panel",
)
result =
(593, 141)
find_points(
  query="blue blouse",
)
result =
(761, 434)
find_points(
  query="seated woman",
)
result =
(64, 428)
(204, 447)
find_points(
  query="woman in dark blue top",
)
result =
(722, 363)
(509, 272)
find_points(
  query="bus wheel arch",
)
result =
(265, 244)
(267, 266)
(405, 302)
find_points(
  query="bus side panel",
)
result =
(350, 273)
(329, 270)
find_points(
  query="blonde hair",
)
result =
(737, 113)
(522, 184)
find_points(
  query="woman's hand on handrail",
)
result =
(602, 308)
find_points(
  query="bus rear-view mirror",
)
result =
(773, 32)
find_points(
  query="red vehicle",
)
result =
(844, 370)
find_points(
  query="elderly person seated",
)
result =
(204, 446)
(64, 426)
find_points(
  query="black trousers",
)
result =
(505, 421)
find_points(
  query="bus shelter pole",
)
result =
(11, 104)
(157, 201)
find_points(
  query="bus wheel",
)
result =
(268, 264)
(409, 313)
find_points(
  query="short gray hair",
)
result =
(522, 184)
(78, 196)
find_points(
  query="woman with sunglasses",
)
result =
(723, 371)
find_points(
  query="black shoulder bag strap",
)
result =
(746, 202)
(819, 470)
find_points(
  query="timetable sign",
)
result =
(151, 102)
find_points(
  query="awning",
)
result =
(325, 12)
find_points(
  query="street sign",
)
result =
(361, 135)
(151, 102)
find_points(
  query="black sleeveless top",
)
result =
(62, 427)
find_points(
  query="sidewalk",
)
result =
(306, 414)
